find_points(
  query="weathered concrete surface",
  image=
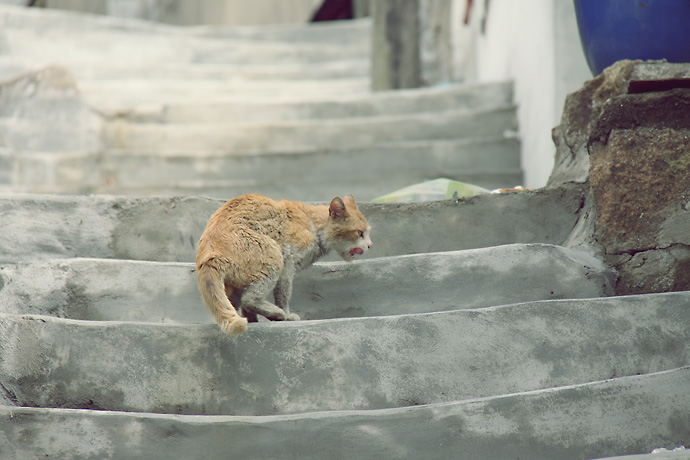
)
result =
(311, 134)
(44, 111)
(302, 175)
(111, 96)
(184, 64)
(450, 280)
(158, 43)
(103, 290)
(117, 290)
(49, 172)
(299, 174)
(657, 454)
(476, 97)
(36, 227)
(203, 95)
(573, 423)
(640, 178)
(355, 32)
(363, 363)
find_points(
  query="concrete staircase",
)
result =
(475, 328)
(285, 111)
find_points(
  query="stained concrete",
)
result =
(39, 227)
(659, 453)
(119, 290)
(432, 382)
(301, 175)
(479, 96)
(220, 104)
(576, 422)
(296, 136)
(362, 363)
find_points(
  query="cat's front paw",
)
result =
(292, 317)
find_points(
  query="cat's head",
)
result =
(347, 230)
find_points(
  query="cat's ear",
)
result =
(349, 201)
(337, 209)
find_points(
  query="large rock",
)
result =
(625, 134)
(640, 178)
(580, 114)
(583, 108)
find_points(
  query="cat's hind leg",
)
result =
(254, 298)
(283, 291)
(250, 315)
(235, 297)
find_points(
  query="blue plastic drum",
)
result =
(611, 30)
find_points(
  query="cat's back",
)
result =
(279, 220)
(247, 210)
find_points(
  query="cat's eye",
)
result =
(360, 233)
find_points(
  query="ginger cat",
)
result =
(254, 245)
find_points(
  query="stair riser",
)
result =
(366, 363)
(355, 32)
(168, 229)
(589, 421)
(169, 48)
(335, 68)
(475, 97)
(307, 136)
(305, 191)
(162, 292)
(356, 165)
(300, 176)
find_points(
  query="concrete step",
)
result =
(225, 65)
(369, 171)
(169, 45)
(112, 290)
(340, 364)
(660, 453)
(608, 417)
(211, 174)
(312, 134)
(49, 172)
(454, 97)
(87, 70)
(122, 95)
(293, 189)
(45, 98)
(409, 162)
(39, 227)
(354, 32)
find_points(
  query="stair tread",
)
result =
(591, 420)
(167, 228)
(337, 364)
(103, 289)
(352, 132)
(334, 105)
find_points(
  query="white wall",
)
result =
(535, 43)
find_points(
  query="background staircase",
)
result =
(475, 328)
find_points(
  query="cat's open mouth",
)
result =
(350, 256)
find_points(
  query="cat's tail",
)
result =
(212, 289)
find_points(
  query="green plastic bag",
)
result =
(437, 189)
